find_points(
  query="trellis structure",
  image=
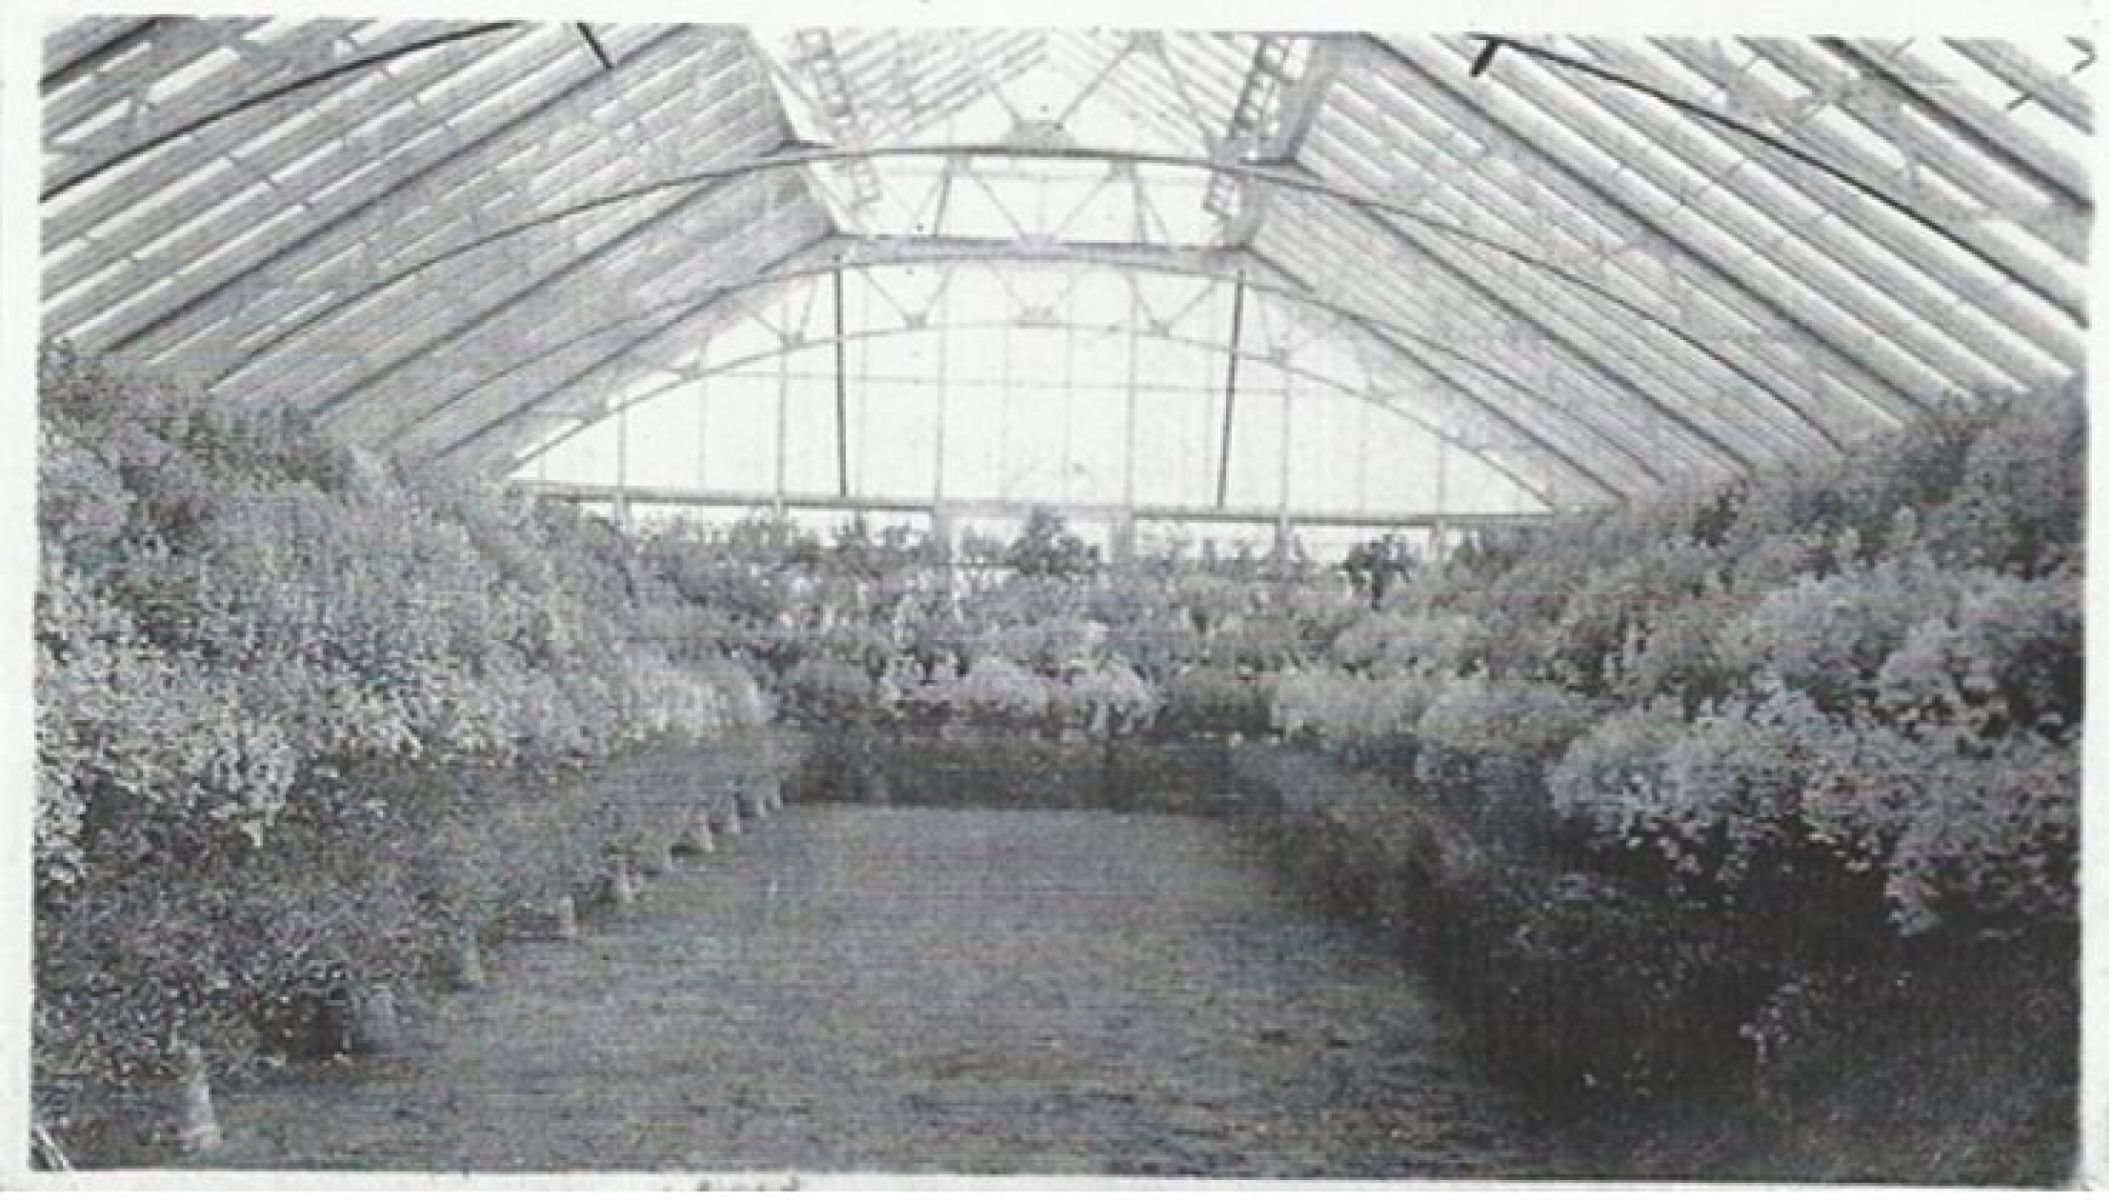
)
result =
(1591, 268)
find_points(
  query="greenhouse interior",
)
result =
(757, 602)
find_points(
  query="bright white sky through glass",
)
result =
(1610, 299)
(1033, 366)
(1030, 413)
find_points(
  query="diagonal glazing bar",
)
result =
(2028, 311)
(1562, 167)
(67, 181)
(1890, 296)
(1288, 180)
(585, 87)
(1879, 195)
(1969, 118)
(1516, 207)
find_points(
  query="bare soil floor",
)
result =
(922, 990)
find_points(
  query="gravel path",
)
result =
(914, 991)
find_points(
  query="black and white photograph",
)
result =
(724, 599)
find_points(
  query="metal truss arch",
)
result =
(840, 254)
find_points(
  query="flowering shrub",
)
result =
(999, 691)
(1216, 700)
(1346, 710)
(1111, 696)
(827, 689)
(1829, 636)
(1612, 612)
(1870, 667)
(249, 642)
(1828, 715)
(1394, 642)
(1478, 715)
(1908, 721)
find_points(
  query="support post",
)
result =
(1362, 457)
(944, 530)
(622, 468)
(841, 395)
(1283, 530)
(1068, 404)
(944, 395)
(1003, 415)
(702, 429)
(1439, 533)
(940, 520)
(783, 435)
(1230, 390)
(1123, 537)
(1124, 529)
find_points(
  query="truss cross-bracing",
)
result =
(1162, 271)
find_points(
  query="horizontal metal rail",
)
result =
(903, 252)
(1010, 509)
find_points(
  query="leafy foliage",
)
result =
(1046, 548)
(255, 651)
(1870, 668)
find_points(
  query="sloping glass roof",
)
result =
(1583, 267)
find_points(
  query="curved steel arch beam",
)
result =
(1200, 263)
(912, 252)
(1290, 178)
(1325, 379)
(1322, 378)
(1130, 258)
(1814, 162)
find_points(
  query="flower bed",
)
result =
(303, 720)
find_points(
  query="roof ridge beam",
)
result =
(1297, 109)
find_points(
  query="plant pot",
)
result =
(376, 1026)
(696, 838)
(197, 1125)
(468, 960)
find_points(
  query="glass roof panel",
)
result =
(1545, 228)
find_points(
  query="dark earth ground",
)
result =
(915, 991)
